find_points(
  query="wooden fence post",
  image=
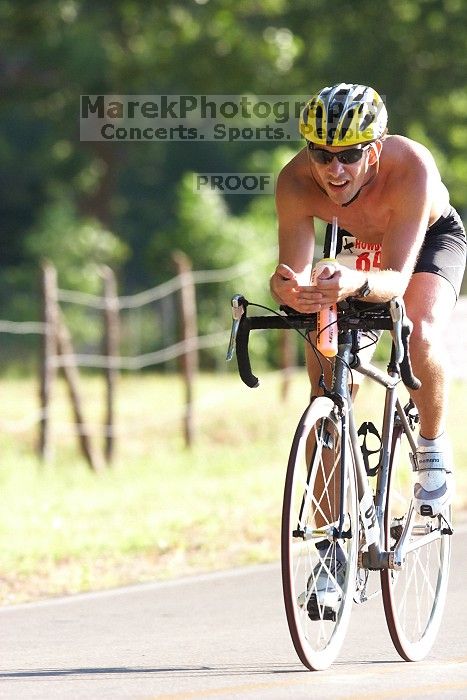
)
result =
(48, 370)
(189, 328)
(70, 372)
(111, 350)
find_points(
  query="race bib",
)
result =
(358, 255)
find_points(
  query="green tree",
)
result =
(413, 51)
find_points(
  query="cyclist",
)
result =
(387, 192)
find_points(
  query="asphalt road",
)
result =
(221, 635)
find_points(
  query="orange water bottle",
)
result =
(326, 327)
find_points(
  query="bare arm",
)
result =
(289, 283)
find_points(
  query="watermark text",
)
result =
(234, 183)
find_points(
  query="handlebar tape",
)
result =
(408, 377)
(247, 324)
(243, 358)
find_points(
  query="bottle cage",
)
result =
(363, 431)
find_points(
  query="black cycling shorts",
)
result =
(444, 249)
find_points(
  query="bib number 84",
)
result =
(366, 261)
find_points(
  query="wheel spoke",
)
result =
(318, 573)
(414, 597)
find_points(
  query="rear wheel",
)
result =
(318, 568)
(413, 597)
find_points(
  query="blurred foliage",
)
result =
(78, 247)
(413, 51)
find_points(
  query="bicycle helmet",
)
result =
(344, 115)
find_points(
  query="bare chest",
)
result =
(368, 220)
(368, 224)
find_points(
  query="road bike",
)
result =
(348, 508)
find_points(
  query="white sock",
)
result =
(436, 444)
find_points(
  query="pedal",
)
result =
(396, 529)
(396, 532)
(316, 614)
(447, 529)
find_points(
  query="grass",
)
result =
(161, 510)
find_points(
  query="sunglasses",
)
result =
(351, 155)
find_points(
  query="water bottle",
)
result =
(326, 327)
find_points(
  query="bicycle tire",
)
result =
(413, 597)
(307, 508)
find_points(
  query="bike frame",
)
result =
(372, 511)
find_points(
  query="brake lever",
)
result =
(238, 304)
(397, 311)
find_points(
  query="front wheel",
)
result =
(413, 597)
(319, 567)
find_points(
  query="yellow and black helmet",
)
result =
(344, 115)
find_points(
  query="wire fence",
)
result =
(138, 301)
(63, 356)
(157, 293)
(59, 353)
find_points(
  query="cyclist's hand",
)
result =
(287, 289)
(286, 274)
(337, 282)
(326, 272)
